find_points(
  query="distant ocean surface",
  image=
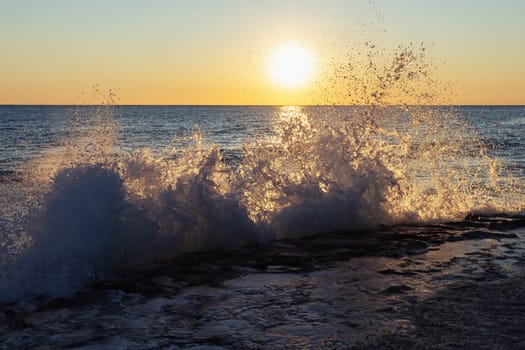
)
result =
(27, 131)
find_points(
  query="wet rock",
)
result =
(395, 272)
(485, 234)
(415, 247)
(399, 289)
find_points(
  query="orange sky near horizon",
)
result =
(217, 52)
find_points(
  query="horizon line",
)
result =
(253, 105)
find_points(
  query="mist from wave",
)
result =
(89, 209)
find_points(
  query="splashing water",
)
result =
(88, 210)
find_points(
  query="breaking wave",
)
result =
(88, 211)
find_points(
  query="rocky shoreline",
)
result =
(446, 286)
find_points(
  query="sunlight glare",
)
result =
(291, 66)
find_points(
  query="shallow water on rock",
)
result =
(394, 287)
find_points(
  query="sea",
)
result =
(249, 227)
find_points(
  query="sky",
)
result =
(216, 51)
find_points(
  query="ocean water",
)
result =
(94, 198)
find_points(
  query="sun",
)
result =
(291, 66)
